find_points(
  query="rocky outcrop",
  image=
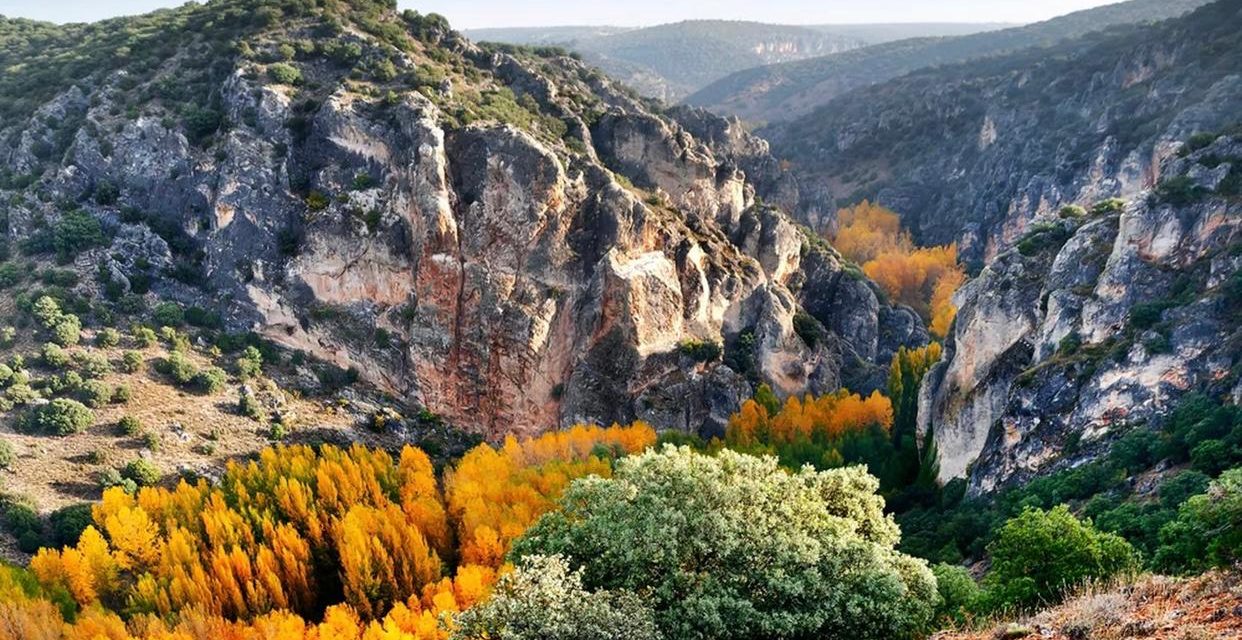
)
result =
(1093, 327)
(571, 259)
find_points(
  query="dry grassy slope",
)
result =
(1154, 608)
(197, 433)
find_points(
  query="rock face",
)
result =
(513, 274)
(1094, 327)
(975, 152)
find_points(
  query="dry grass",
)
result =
(1153, 607)
(196, 433)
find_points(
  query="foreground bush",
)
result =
(1040, 556)
(544, 600)
(732, 546)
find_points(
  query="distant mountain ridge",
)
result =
(785, 91)
(670, 61)
(977, 153)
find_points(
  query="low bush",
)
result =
(129, 426)
(285, 73)
(131, 362)
(67, 523)
(142, 473)
(61, 417)
(108, 338)
(8, 455)
(179, 368)
(211, 380)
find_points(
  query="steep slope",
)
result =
(783, 92)
(974, 152)
(1096, 325)
(502, 238)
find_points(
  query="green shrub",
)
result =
(316, 201)
(543, 600)
(6, 375)
(131, 362)
(122, 394)
(8, 455)
(1073, 212)
(179, 368)
(142, 472)
(106, 193)
(700, 350)
(93, 365)
(23, 523)
(1212, 456)
(959, 594)
(788, 554)
(67, 523)
(129, 426)
(200, 317)
(1179, 191)
(211, 380)
(11, 275)
(1146, 315)
(1111, 205)
(1040, 556)
(109, 478)
(249, 406)
(250, 364)
(168, 314)
(67, 331)
(144, 337)
(74, 232)
(8, 335)
(152, 440)
(94, 393)
(47, 311)
(1070, 344)
(108, 338)
(1207, 531)
(284, 73)
(60, 417)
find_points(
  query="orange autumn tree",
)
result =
(494, 494)
(923, 278)
(825, 431)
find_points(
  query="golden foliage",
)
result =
(495, 494)
(923, 278)
(247, 559)
(828, 417)
(250, 546)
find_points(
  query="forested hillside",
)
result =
(976, 152)
(787, 91)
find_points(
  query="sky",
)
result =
(474, 14)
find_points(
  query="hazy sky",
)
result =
(469, 14)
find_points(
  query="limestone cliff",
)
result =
(1094, 326)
